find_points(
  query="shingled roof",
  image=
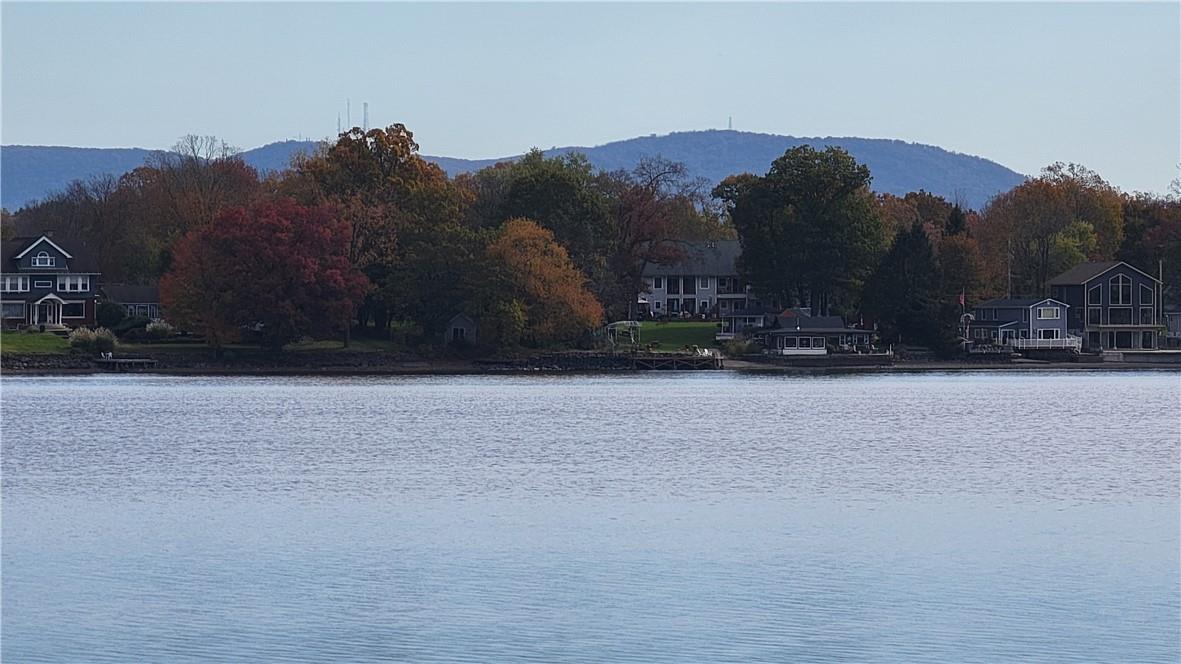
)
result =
(719, 257)
(1084, 272)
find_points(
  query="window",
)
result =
(656, 305)
(1025, 314)
(458, 334)
(1049, 313)
(674, 286)
(674, 304)
(13, 310)
(703, 283)
(1094, 315)
(1047, 334)
(658, 282)
(1119, 316)
(15, 284)
(73, 284)
(43, 259)
(724, 305)
(1095, 295)
(43, 284)
(818, 342)
(73, 310)
(1146, 316)
(689, 286)
(1145, 295)
(1120, 290)
(805, 342)
(789, 342)
(1024, 334)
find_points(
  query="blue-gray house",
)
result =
(1023, 323)
(1112, 305)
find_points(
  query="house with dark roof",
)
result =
(1113, 305)
(796, 332)
(1023, 323)
(46, 281)
(741, 322)
(705, 281)
(137, 300)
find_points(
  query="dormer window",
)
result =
(43, 259)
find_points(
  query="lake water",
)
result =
(664, 517)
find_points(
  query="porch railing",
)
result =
(1065, 343)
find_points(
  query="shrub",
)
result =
(82, 338)
(738, 347)
(100, 340)
(131, 323)
(159, 329)
(109, 314)
(104, 340)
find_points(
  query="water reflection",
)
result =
(641, 518)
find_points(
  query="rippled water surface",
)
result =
(675, 517)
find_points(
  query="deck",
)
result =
(124, 364)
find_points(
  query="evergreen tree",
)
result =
(903, 294)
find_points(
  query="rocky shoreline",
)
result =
(345, 363)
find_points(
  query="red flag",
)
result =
(961, 298)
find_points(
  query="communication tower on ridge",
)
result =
(365, 122)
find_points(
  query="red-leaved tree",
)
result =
(278, 266)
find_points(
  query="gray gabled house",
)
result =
(1113, 305)
(1023, 323)
(705, 281)
(46, 282)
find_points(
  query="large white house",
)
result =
(705, 282)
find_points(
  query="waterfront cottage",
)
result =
(143, 300)
(798, 333)
(46, 282)
(1023, 323)
(1113, 305)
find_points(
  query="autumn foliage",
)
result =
(548, 286)
(277, 267)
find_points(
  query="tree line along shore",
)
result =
(366, 243)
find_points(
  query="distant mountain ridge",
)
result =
(28, 173)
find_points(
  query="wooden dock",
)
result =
(676, 362)
(124, 364)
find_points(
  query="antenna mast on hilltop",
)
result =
(730, 122)
(365, 122)
(348, 112)
(338, 123)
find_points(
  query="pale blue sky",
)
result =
(1025, 85)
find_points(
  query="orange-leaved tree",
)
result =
(278, 266)
(540, 275)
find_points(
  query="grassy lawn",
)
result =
(675, 335)
(20, 342)
(357, 344)
(362, 345)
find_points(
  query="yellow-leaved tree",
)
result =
(540, 275)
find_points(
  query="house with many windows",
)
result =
(705, 282)
(136, 300)
(1113, 305)
(1023, 323)
(798, 332)
(45, 283)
